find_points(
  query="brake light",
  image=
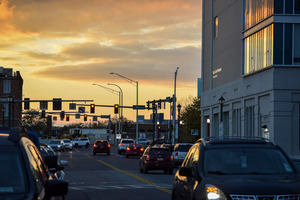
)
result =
(148, 157)
(142, 149)
(134, 148)
(108, 145)
(172, 158)
(95, 145)
(128, 149)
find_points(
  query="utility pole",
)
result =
(174, 109)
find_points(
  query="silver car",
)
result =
(124, 144)
(180, 151)
(68, 144)
(57, 145)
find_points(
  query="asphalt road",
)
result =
(112, 177)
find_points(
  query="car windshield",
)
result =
(67, 141)
(13, 179)
(76, 139)
(157, 151)
(184, 148)
(246, 161)
(55, 142)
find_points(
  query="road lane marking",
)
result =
(135, 176)
(125, 187)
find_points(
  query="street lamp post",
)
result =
(121, 108)
(137, 100)
(9, 99)
(174, 108)
(221, 102)
(208, 127)
(178, 129)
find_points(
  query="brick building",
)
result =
(11, 90)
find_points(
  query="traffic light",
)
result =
(92, 108)
(56, 103)
(85, 117)
(43, 114)
(62, 114)
(26, 103)
(67, 117)
(148, 105)
(159, 104)
(116, 108)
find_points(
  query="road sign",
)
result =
(81, 109)
(104, 116)
(72, 106)
(140, 107)
(194, 132)
(118, 136)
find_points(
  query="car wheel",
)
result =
(119, 152)
(108, 153)
(76, 145)
(87, 145)
(141, 170)
(165, 171)
(127, 156)
(94, 153)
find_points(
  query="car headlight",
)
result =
(214, 193)
(58, 146)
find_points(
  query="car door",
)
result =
(186, 184)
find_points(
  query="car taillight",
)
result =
(134, 148)
(128, 149)
(176, 154)
(148, 157)
(172, 158)
(95, 145)
(108, 145)
(142, 149)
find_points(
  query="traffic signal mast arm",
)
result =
(158, 102)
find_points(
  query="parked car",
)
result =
(134, 149)
(24, 173)
(101, 146)
(180, 151)
(68, 144)
(57, 145)
(236, 168)
(123, 144)
(156, 158)
(81, 142)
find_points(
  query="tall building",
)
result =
(11, 89)
(251, 58)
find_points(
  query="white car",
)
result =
(57, 145)
(81, 142)
(124, 144)
(68, 144)
(180, 151)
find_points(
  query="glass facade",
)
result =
(297, 44)
(257, 10)
(258, 50)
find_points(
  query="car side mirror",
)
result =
(186, 171)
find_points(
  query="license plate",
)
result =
(160, 159)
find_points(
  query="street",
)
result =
(111, 177)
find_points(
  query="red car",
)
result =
(157, 158)
(134, 150)
(101, 146)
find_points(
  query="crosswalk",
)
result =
(112, 187)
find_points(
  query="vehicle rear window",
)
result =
(184, 148)
(101, 142)
(13, 179)
(127, 141)
(161, 151)
(135, 145)
(55, 142)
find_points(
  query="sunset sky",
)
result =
(63, 47)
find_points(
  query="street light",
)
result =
(9, 99)
(208, 126)
(137, 100)
(221, 102)
(121, 104)
(178, 129)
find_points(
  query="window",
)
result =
(258, 50)
(216, 27)
(297, 6)
(236, 122)
(6, 86)
(297, 43)
(249, 121)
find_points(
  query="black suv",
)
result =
(236, 169)
(23, 172)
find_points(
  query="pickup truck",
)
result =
(81, 142)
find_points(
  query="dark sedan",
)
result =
(134, 150)
(101, 146)
(156, 158)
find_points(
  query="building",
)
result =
(251, 58)
(11, 90)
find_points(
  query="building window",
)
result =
(297, 6)
(215, 131)
(297, 44)
(226, 123)
(6, 86)
(256, 11)
(216, 27)
(236, 122)
(249, 121)
(258, 49)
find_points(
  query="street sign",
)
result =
(194, 132)
(118, 136)
(43, 105)
(72, 106)
(81, 109)
(77, 116)
(140, 107)
(94, 118)
(104, 116)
